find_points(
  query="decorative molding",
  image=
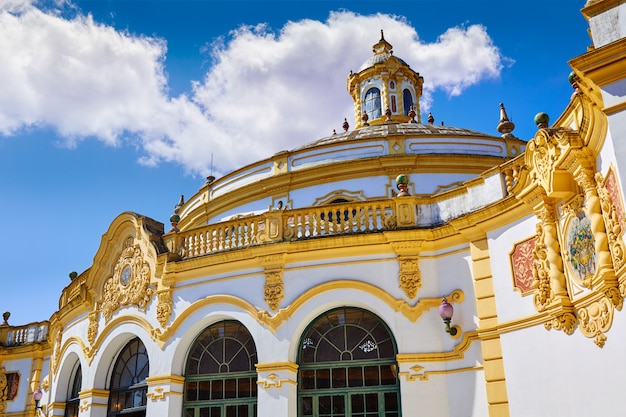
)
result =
(613, 212)
(159, 393)
(410, 276)
(274, 289)
(164, 306)
(522, 265)
(277, 366)
(457, 353)
(565, 322)
(130, 283)
(417, 373)
(92, 329)
(273, 381)
(596, 319)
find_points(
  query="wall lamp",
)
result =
(37, 397)
(446, 311)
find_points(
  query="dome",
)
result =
(378, 59)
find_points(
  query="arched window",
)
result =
(407, 100)
(128, 382)
(220, 373)
(72, 403)
(372, 103)
(347, 367)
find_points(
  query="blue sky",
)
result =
(113, 106)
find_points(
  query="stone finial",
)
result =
(365, 118)
(388, 115)
(6, 316)
(412, 114)
(402, 182)
(334, 132)
(73, 275)
(345, 125)
(542, 120)
(430, 119)
(573, 80)
(505, 126)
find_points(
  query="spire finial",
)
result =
(382, 36)
(505, 126)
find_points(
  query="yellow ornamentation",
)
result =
(130, 283)
(274, 289)
(410, 276)
(596, 319)
(164, 307)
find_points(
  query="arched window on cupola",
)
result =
(407, 100)
(372, 103)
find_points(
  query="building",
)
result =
(400, 268)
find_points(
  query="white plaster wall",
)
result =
(549, 373)
(511, 305)
(23, 366)
(608, 26)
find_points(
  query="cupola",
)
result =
(385, 89)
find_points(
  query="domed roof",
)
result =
(378, 59)
(400, 129)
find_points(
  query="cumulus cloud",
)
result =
(266, 90)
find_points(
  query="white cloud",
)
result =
(266, 91)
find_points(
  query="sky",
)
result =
(112, 106)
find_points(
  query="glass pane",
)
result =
(339, 377)
(306, 406)
(307, 377)
(243, 410)
(355, 377)
(386, 375)
(324, 404)
(243, 387)
(204, 390)
(217, 390)
(339, 405)
(323, 378)
(357, 402)
(216, 412)
(191, 393)
(371, 402)
(391, 401)
(204, 412)
(231, 411)
(189, 412)
(371, 375)
(230, 388)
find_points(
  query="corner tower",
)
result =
(385, 88)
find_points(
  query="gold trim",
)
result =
(424, 376)
(277, 366)
(272, 381)
(456, 354)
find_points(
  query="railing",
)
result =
(349, 218)
(289, 225)
(11, 336)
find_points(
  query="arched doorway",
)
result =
(129, 387)
(220, 373)
(347, 367)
